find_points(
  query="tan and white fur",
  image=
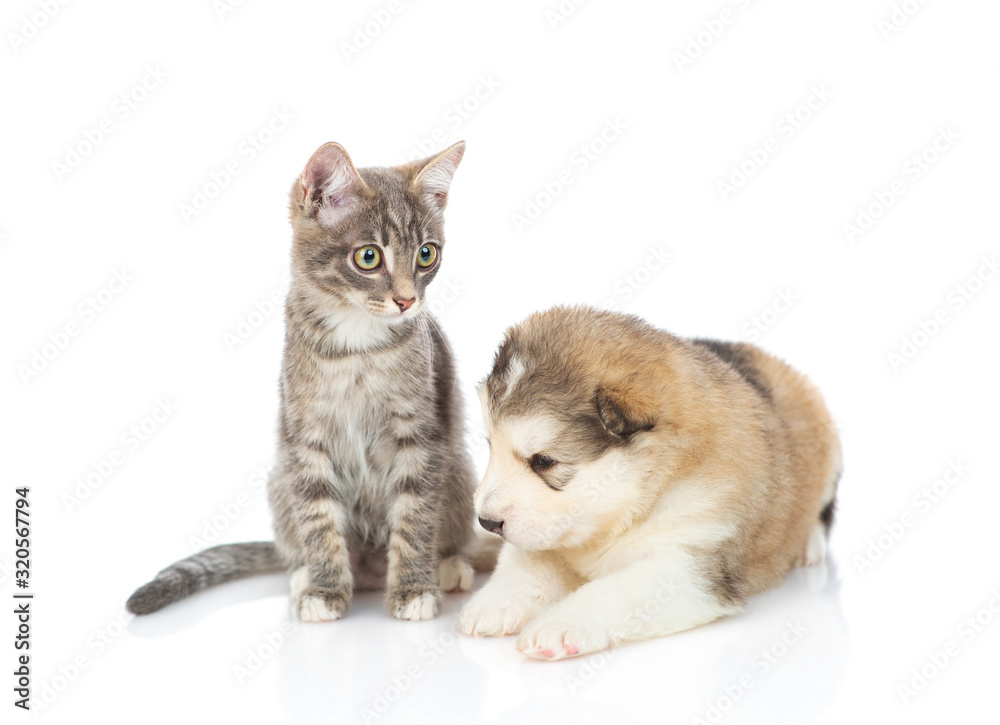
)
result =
(643, 484)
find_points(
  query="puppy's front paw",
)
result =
(485, 616)
(553, 638)
(315, 604)
(413, 605)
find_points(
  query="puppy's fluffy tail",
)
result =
(203, 570)
(482, 552)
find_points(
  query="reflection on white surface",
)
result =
(783, 660)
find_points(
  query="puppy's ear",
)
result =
(624, 412)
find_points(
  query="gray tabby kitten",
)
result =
(373, 485)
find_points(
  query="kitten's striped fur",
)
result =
(373, 485)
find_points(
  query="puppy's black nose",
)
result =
(494, 527)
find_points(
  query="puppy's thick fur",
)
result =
(643, 484)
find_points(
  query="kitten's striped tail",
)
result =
(202, 570)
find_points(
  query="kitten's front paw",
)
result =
(485, 616)
(413, 605)
(315, 604)
(455, 574)
(553, 638)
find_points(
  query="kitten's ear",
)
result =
(624, 412)
(434, 179)
(330, 185)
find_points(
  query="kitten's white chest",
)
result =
(349, 329)
(362, 401)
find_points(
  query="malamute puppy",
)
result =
(643, 484)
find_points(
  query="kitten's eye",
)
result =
(427, 255)
(367, 258)
(540, 462)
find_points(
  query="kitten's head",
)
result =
(371, 239)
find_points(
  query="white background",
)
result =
(545, 89)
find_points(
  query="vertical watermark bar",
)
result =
(22, 600)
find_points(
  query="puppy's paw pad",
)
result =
(558, 641)
(455, 574)
(494, 619)
(321, 605)
(417, 607)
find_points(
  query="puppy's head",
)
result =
(569, 409)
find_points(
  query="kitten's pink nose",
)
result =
(404, 305)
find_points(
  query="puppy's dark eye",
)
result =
(540, 462)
